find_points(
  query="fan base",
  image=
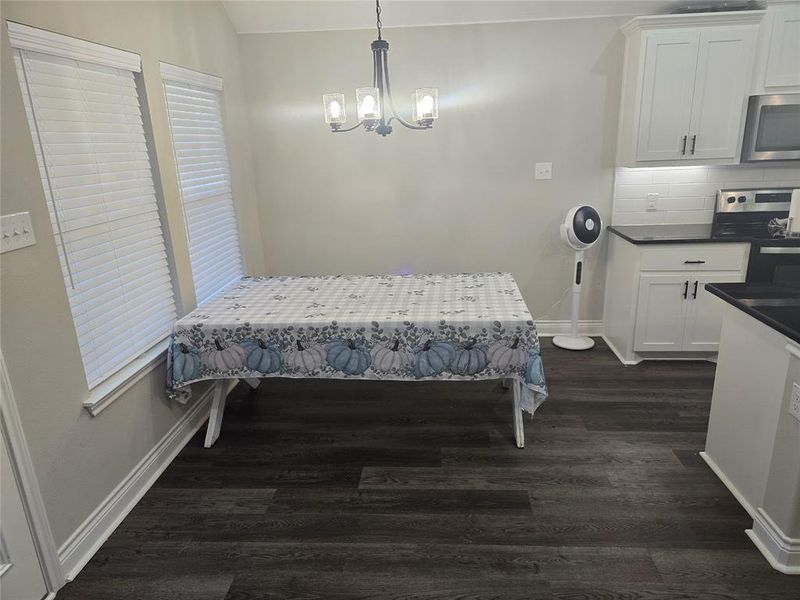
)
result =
(577, 342)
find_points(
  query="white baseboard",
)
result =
(782, 552)
(549, 328)
(618, 354)
(96, 529)
(729, 484)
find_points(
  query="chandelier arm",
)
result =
(356, 126)
(399, 119)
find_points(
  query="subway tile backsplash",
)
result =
(687, 194)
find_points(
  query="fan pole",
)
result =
(576, 292)
(573, 341)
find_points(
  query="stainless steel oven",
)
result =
(772, 128)
(775, 262)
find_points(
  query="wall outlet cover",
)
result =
(794, 402)
(544, 170)
(652, 201)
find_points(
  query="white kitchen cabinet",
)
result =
(720, 90)
(656, 304)
(668, 80)
(661, 312)
(675, 312)
(703, 321)
(685, 87)
(783, 47)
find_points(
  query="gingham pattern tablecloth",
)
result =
(395, 327)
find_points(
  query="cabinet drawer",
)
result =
(695, 257)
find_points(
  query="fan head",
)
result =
(582, 227)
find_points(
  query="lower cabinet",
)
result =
(656, 304)
(675, 312)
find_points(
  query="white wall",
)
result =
(79, 459)
(461, 197)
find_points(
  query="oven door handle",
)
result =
(779, 250)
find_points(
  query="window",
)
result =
(194, 104)
(85, 119)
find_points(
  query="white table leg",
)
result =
(253, 382)
(519, 428)
(217, 409)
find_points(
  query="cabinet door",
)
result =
(661, 312)
(667, 86)
(718, 102)
(783, 61)
(704, 312)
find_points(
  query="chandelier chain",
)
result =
(378, 15)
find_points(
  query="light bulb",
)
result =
(368, 107)
(335, 109)
(425, 107)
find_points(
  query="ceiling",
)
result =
(273, 16)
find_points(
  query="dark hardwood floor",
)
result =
(338, 489)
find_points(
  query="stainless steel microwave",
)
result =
(772, 128)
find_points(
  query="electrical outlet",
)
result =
(794, 402)
(652, 201)
(544, 171)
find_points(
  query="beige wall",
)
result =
(80, 459)
(461, 197)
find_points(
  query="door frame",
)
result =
(32, 500)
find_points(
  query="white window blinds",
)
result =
(86, 125)
(194, 103)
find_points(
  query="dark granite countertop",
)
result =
(775, 305)
(671, 234)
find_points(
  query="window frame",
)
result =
(120, 377)
(175, 74)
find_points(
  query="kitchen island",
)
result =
(753, 443)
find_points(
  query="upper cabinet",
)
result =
(685, 87)
(778, 63)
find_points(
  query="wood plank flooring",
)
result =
(415, 491)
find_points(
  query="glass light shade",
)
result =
(425, 104)
(334, 108)
(368, 103)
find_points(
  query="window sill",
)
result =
(104, 395)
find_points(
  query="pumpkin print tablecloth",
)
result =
(394, 327)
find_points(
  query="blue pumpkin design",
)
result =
(261, 357)
(185, 362)
(434, 358)
(345, 356)
(469, 359)
(534, 372)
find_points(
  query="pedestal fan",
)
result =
(580, 230)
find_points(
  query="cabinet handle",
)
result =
(694, 143)
(694, 262)
(685, 289)
(683, 146)
(694, 294)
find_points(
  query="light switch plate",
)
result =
(17, 231)
(544, 171)
(794, 402)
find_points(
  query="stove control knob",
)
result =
(731, 199)
(741, 199)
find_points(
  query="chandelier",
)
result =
(371, 101)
